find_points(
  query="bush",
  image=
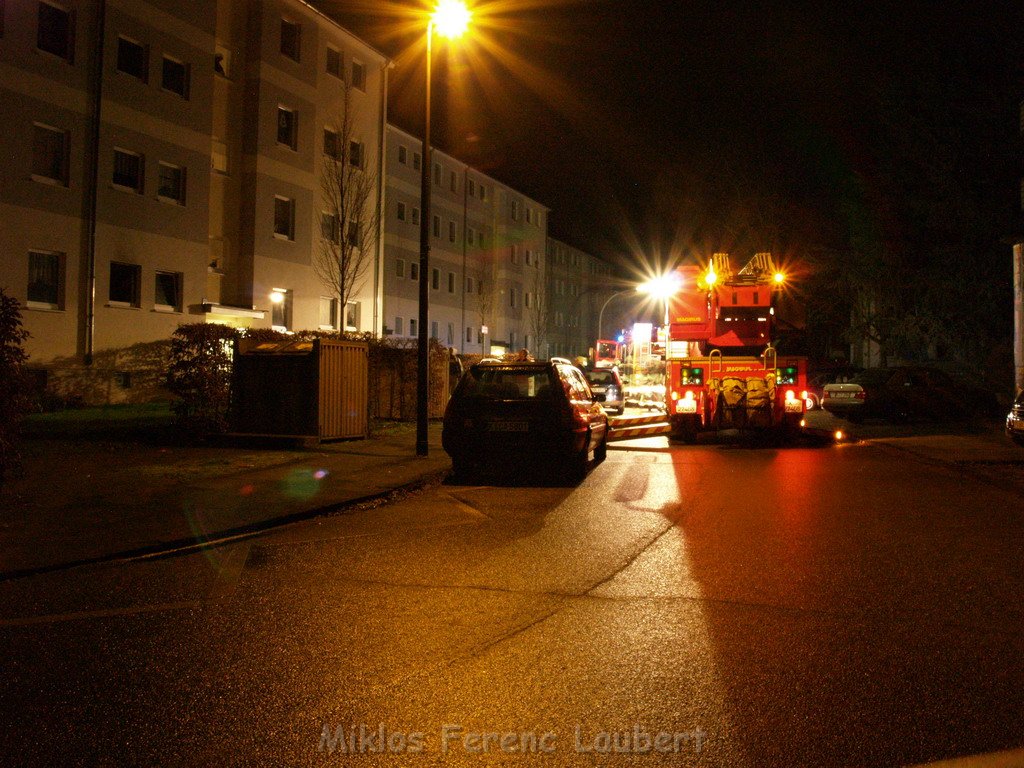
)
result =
(14, 383)
(199, 375)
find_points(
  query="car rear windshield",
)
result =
(601, 378)
(874, 377)
(507, 383)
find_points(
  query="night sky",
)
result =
(657, 131)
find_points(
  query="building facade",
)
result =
(164, 162)
(578, 285)
(486, 281)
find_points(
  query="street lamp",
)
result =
(450, 19)
(600, 315)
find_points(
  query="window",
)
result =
(128, 170)
(401, 211)
(352, 316)
(529, 215)
(132, 58)
(515, 210)
(469, 284)
(529, 257)
(451, 282)
(451, 334)
(330, 227)
(470, 187)
(167, 291)
(412, 326)
(332, 146)
(453, 182)
(358, 75)
(514, 254)
(399, 326)
(417, 160)
(219, 156)
(222, 62)
(49, 154)
(355, 233)
(328, 318)
(414, 270)
(355, 154)
(451, 231)
(483, 192)
(124, 284)
(171, 185)
(175, 77)
(281, 309)
(469, 334)
(284, 218)
(527, 300)
(53, 34)
(470, 235)
(45, 280)
(512, 297)
(512, 338)
(291, 39)
(400, 268)
(437, 174)
(433, 329)
(415, 215)
(437, 226)
(287, 127)
(435, 278)
(334, 62)
(403, 155)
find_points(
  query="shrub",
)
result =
(14, 383)
(199, 375)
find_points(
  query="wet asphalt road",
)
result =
(708, 605)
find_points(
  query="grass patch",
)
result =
(113, 421)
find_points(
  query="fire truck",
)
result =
(722, 369)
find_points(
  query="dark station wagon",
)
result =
(524, 416)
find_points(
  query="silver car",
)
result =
(607, 388)
(1015, 421)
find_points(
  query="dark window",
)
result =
(132, 58)
(175, 77)
(128, 168)
(168, 290)
(332, 147)
(334, 62)
(291, 37)
(355, 154)
(435, 279)
(54, 32)
(124, 283)
(358, 75)
(287, 127)
(44, 279)
(330, 229)
(50, 154)
(284, 218)
(355, 234)
(172, 183)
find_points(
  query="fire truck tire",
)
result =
(684, 429)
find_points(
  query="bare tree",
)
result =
(538, 313)
(350, 220)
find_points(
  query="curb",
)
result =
(187, 546)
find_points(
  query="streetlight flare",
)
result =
(780, 278)
(451, 18)
(662, 286)
(711, 278)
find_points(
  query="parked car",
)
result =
(816, 382)
(525, 415)
(898, 394)
(606, 384)
(1015, 421)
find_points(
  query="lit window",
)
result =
(281, 310)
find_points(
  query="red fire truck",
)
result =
(722, 371)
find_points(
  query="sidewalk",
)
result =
(83, 500)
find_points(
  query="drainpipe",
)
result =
(1018, 317)
(465, 221)
(378, 270)
(90, 192)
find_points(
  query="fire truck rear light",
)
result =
(675, 395)
(803, 395)
(688, 396)
(790, 395)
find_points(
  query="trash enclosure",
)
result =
(309, 389)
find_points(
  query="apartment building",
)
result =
(487, 284)
(164, 163)
(578, 284)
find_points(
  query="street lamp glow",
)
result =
(450, 18)
(780, 278)
(661, 287)
(276, 297)
(711, 278)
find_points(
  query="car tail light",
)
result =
(861, 395)
(825, 394)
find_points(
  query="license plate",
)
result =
(842, 394)
(508, 426)
(794, 406)
(686, 406)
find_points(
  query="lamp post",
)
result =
(450, 18)
(600, 315)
